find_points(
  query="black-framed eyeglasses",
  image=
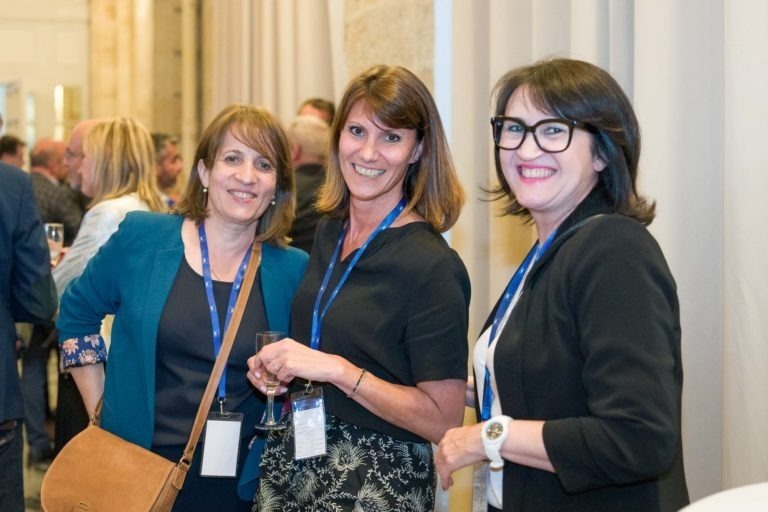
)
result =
(551, 135)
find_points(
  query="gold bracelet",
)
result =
(359, 383)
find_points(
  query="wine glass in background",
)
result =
(262, 340)
(54, 232)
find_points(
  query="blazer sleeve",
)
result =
(625, 307)
(95, 293)
(33, 293)
(98, 225)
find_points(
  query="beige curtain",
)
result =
(273, 53)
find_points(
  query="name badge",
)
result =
(308, 423)
(221, 445)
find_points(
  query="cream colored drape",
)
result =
(271, 53)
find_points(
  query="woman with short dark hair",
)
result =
(578, 370)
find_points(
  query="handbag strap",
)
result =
(221, 359)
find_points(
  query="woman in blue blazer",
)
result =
(155, 274)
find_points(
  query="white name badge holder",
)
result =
(221, 444)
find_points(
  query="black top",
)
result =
(593, 349)
(309, 177)
(185, 357)
(402, 313)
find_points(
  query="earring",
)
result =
(273, 202)
(205, 190)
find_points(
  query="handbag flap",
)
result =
(98, 470)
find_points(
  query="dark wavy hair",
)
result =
(580, 91)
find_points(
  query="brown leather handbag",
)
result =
(99, 471)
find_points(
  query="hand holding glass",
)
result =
(54, 232)
(262, 340)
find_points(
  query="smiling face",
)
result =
(374, 159)
(240, 184)
(549, 185)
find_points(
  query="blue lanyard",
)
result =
(509, 295)
(317, 316)
(212, 302)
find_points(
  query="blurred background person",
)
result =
(27, 294)
(118, 174)
(578, 369)
(318, 107)
(55, 204)
(308, 137)
(73, 158)
(240, 192)
(71, 417)
(380, 320)
(12, 150)
(168, 166)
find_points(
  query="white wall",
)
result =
(42, 43)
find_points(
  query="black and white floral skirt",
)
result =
(362, 471)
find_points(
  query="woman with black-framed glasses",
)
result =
(578, 370)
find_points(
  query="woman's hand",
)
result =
(289, 359)
(256, 374)
(459, 447)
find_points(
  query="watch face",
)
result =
(493, 430)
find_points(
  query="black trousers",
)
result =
(71, 416)
(11, 472)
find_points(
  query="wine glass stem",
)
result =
(270, 407)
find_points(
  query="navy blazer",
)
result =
(131, 277)
(27, 291)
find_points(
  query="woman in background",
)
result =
(154, 275)
(578, 369)
(118, 174)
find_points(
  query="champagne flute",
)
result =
(262, 340)
(54, 232)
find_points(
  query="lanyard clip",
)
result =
(308, 388)
(221, 405)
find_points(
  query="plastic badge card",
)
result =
(221, 445)
(309, 423)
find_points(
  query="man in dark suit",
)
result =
(27, 294)
(54, 200)
(308, 136)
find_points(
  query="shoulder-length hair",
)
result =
(123, 159)
(396, 98)
(583, 92)
(258, 129)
